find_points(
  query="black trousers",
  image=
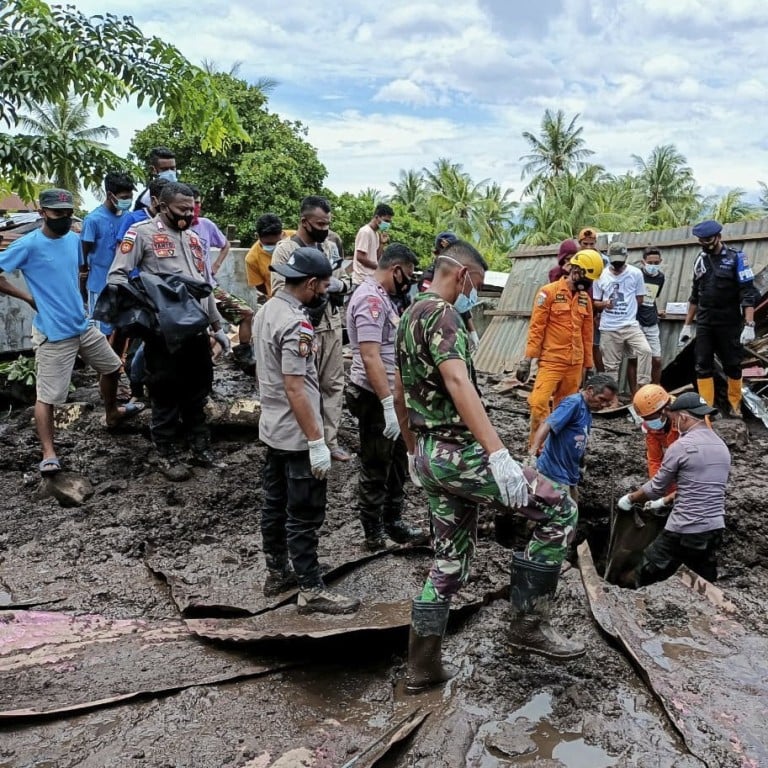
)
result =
(723, 340)
(178, 384)
(668, 551)
(292, 513)
(383, 462)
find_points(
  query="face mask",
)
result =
(582, 283)
(402, 286)
(652, 269)
(617, 266)
(384, 225)
(178, 221)
(465, 303)
(59, 227)
(268, 248)
(316, 235)
(170, 174)
(657, 423)
(121, 205)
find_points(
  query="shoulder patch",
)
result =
(126, 246)
(541, 299)
(374, 306)
(130, 234)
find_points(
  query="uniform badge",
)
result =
(129, 238)
(306, 338)
(163, 246)
(374, 306)
(541, 299)
(197, 252)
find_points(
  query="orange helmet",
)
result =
(650, 399)
(589, 261)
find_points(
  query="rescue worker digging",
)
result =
(458, 458)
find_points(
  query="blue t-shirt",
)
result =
(50, 267)
(127, 220)
(565, 445)
(100, 228)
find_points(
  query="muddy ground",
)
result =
(328, 699)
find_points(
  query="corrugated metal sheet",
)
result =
(503, 343)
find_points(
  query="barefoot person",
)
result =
(50, 258)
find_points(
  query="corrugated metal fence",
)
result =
(503, 343)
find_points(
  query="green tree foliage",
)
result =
(67, 119)
(48, 53)
(733, 207)
(271, 172)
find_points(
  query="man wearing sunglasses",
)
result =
(722, 306)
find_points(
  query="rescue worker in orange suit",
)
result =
(560, 337)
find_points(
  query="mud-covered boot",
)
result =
(280, 578)
(532, 589)
(170, 464)
(202, 455)
(322, 599)
(242, 354)
(375, 537)
(425, 647)
(402, 533)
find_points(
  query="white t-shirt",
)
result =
(367, 241)
(622, 290)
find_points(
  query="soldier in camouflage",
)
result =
(458, 458)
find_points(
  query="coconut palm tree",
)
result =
(410, 191)
(559, 149)
(68, 120)
(668, 187)
(732, 207)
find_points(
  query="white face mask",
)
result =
(652, 269)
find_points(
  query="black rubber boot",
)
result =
(425, 647)
(532, 589)
(398, 530)
(242, 354)
(375, 538)
(170, 464)
(202, 455)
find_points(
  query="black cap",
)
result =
(57, 199)
(304, 262)
(692, 402)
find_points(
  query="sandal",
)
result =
(129, 410)
(50, 466)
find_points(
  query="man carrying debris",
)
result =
(698, 463)
(372, 320)
(559, 446)
(291, 425)
(560, 337)
(722, 289)
(49, 258)
(458, 458)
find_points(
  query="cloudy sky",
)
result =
(390, 86)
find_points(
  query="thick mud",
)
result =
(142, 548)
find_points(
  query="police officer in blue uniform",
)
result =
(722, 306)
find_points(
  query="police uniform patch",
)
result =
(374, 306)
(197, 252)
(163, 246)
(541, 299)
(306, 338)
(129, 238)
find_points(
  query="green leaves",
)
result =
(22, 369)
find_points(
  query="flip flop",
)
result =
(129, 410)
(50, 466)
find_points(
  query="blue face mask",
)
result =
(123, 205)
(268, 248)
(170, 174)
(652, 269)
(465, 303)
(657, 423)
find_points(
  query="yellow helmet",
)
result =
(589, 261)
(650, 399)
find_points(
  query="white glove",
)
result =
(412, 471)
(336, 286)
(474, 341)
(747, 334)
(508, 475)
(319, 458)
(223, 340)
(688, 333)
(391, 426)
(624, 503)
(651, 506)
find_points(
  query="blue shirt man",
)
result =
(561, 441)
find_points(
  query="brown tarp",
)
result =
(708, 670)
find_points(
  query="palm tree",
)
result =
(763, 196)
(732, 207)
(668, 187)
(410, 191)
(68, 120)
(559, 149)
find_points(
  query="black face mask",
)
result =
(59, 226)
(618, 266)
(179, 221)
(316, 235)
(403, 285)
(583, 283)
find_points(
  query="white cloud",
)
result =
(405, 92)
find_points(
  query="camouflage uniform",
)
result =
(451, 464)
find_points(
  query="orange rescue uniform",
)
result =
(560, 337)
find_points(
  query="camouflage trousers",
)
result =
(456, 478)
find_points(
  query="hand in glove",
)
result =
(336, 286)
(508, 475)
(391, 426)
(412, 471)
(747, 334)
(688, 333)
(523, 370)
(319, 458)
(625, 503)
(474, 341)
(223, 340)
(652, 506)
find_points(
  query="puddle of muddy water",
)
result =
(527, 736)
